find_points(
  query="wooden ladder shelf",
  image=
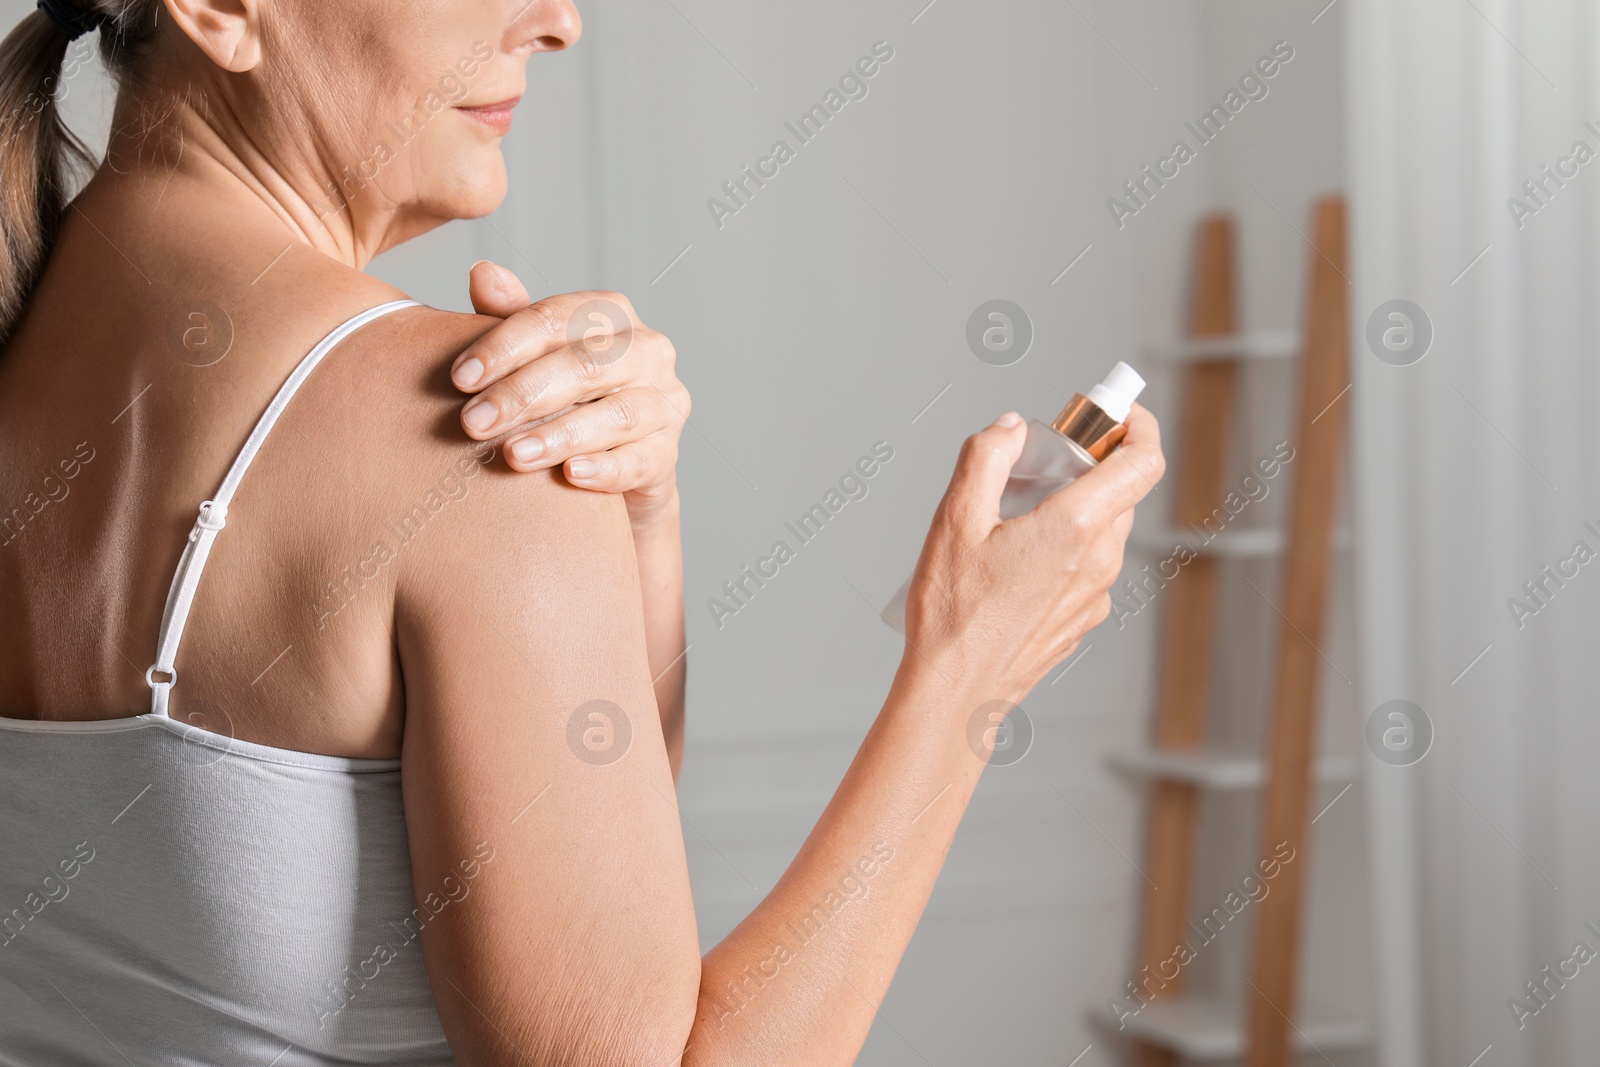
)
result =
(1263, 1030)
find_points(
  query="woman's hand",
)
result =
(602, 382)
(1003, 602)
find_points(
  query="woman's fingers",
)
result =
(495, 290)
(1004, 601)
(552, 379)
(973, 500)
(1116, 485)
(1139, 463)
(621, 418)
(532, 330)
(640, 465)
(570, 374)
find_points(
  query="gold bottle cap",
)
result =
(1087, 425)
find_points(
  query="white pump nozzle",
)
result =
(1116, 394)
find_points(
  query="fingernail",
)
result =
(1010, 418)
(467, 373)
(582, 469)
(528, 449)
(481, 416)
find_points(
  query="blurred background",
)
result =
(826, 310)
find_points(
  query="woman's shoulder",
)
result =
(384, 392)
(396, 363)
(384, 408)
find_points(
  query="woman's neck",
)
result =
(161, 157)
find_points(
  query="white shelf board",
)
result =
(1220, 769)
(1260, 542)
(1206, 1029)
(1242, 544)
(1277, 344)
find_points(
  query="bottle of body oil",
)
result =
(1056, 454)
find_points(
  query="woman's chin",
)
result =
(470, 191)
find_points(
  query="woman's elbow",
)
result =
(648, 1025)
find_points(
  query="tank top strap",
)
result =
(214, 512)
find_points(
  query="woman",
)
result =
(412, 802)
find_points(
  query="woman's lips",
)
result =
(496, 116)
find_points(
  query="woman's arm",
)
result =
(993, 607)
(529, 740)
(522, 643)
(658, 551)
(553, 360)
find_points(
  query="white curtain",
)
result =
(1474, 469)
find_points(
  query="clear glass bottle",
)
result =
(1058, 453)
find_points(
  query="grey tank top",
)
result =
(170, 895)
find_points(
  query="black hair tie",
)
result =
(73, 21)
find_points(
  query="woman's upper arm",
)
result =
(533, 759)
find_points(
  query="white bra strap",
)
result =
(214, 512)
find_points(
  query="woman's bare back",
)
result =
(152, 346)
